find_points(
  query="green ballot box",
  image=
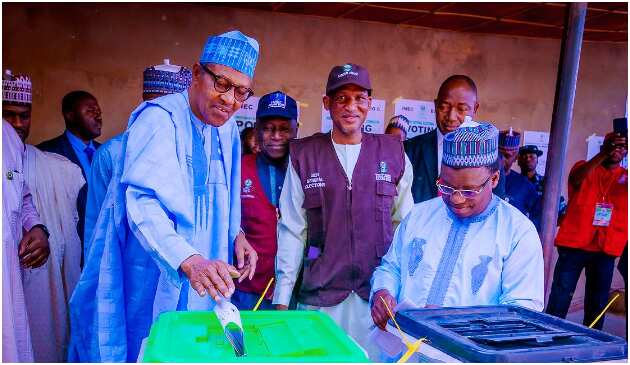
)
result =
(270, 336)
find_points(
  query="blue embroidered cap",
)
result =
(509, 139)
(233, 49)
(166, 79)
(400, 121)
(277, 104)
(16, 89)
(471, 145)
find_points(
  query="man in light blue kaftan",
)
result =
(157, 81)
(168, 227)
(467, 247)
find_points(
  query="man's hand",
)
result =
(246, 257)
(380, 316)
(210, 276)
(281, 307)
(33, 249)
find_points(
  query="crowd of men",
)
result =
(181, 210)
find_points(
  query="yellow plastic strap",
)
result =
(604, 311)
(263, 295)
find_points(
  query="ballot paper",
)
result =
(392, 347)
(230, 319)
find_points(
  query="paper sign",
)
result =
(421, 115)
(592, 145)
(374, 123)
(540, 140)
(246, 116)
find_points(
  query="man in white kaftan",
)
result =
(20, 250)
(467, 247)
(54, 183)
(167, 231)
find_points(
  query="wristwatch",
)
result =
(43, 227)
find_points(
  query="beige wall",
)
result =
(103, 48)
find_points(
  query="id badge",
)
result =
(603, 213)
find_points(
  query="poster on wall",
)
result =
(374, 123)
(421, 115)
(540, 140)
(593, 143)
(246, 115)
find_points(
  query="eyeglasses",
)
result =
(345, 99)
(466, 193)
(223, 85)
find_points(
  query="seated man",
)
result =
(467, 247)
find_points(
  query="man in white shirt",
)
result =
(342, 195)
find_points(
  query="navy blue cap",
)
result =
(530, 148)
(277, 104)
(349, 73)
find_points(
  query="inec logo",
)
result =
(382, 174)
(278, 100)
(248, 186)
(347, 71)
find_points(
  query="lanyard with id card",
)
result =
(603, 210)
(603, 214)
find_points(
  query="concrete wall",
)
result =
(103, 48)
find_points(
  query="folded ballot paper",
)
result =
(230, 319)
(392, 347)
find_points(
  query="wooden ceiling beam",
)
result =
(350, 11)
(498, 19)
(426, 13)
(277, 6)
(593, 8)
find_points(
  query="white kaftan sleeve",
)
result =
(523, 280)
(291, 237)
(30, 217)
(404, 201)
(387, 274)
(151, 165)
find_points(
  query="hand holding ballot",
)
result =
(210, 276)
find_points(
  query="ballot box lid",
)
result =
(270, 336)
(507, 333)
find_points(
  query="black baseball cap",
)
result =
(349, 73)
(277, 104)
(530, 148)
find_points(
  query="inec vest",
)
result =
(349, 225)
(259, 222)
(577, 229)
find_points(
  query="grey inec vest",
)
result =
(349, 226)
